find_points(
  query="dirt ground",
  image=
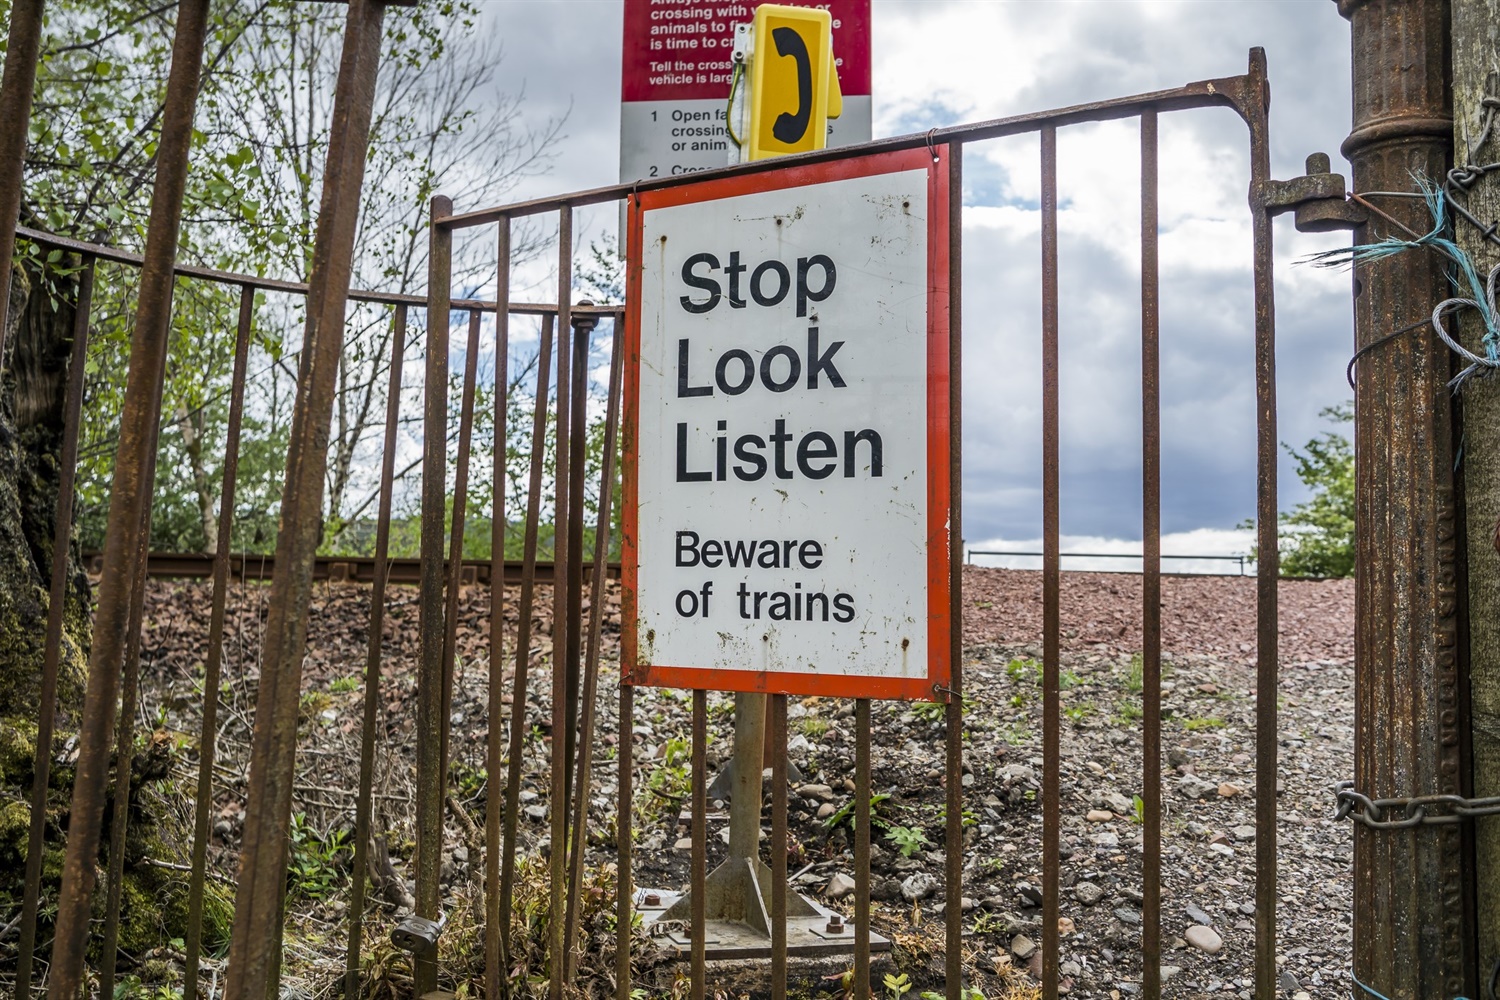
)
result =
(1208, 707)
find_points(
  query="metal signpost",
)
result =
(679, 70)
(787, 463)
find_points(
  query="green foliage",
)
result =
(908, 839)
(935, 711)
(896, 985)
(318, 864)
(259, 145)
(1208, 722)
(1317, 536)
(845, 813)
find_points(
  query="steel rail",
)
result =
(350, 569)
(117, 256)
(1218, 92)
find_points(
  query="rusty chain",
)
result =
(1419, 810)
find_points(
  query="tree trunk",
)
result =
(38, 343)
(31, 432)
(1476, 75)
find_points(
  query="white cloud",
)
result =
(939, 62)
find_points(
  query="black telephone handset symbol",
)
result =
(789, 128)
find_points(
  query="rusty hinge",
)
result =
(1317, 197)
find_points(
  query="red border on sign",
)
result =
(939, 540)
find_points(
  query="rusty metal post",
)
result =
(494, 761)
(1413, 889)
(62, 537)
(130, 500)
(1150, 563)
(954, 712)
(562, 624)
(429, 820)
(255, 952)
(374, 642)
(209, 731)
(16, 86)
(1254, 105)
(1051, 576)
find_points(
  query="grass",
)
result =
(813, 726)
(1079, 712)
(1030, 671)
(1016, 734)
(1206, 722)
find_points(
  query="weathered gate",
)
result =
(567, 329)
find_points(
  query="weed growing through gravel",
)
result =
(1199, 724)
(813, 726)
(908, 839)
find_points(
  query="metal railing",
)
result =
(568, 329)
(1238, 560)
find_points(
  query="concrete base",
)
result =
(668, 920)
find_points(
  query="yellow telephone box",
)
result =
(794, 85)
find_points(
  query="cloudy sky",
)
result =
(944, 62)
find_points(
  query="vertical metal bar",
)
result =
(624, 890)
(523, 632)
(16, 86)
(561, 623)
(124, 756)
(456, 540)
(779, 847)
(62, 536)
(697, 881)
(596, 625)
(1051, 573)
(374, 642)
(1268, 562)
(429, 825)
(255, 950)
(862, 848)
(583, 327)
(954, 874)
(209, 732)
(494, 954)
(130, 499)
(1150, 561)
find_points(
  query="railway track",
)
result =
(351, 569)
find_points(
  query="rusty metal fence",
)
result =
(568, 331)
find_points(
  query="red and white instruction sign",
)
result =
(787, 411)
(677, 75)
